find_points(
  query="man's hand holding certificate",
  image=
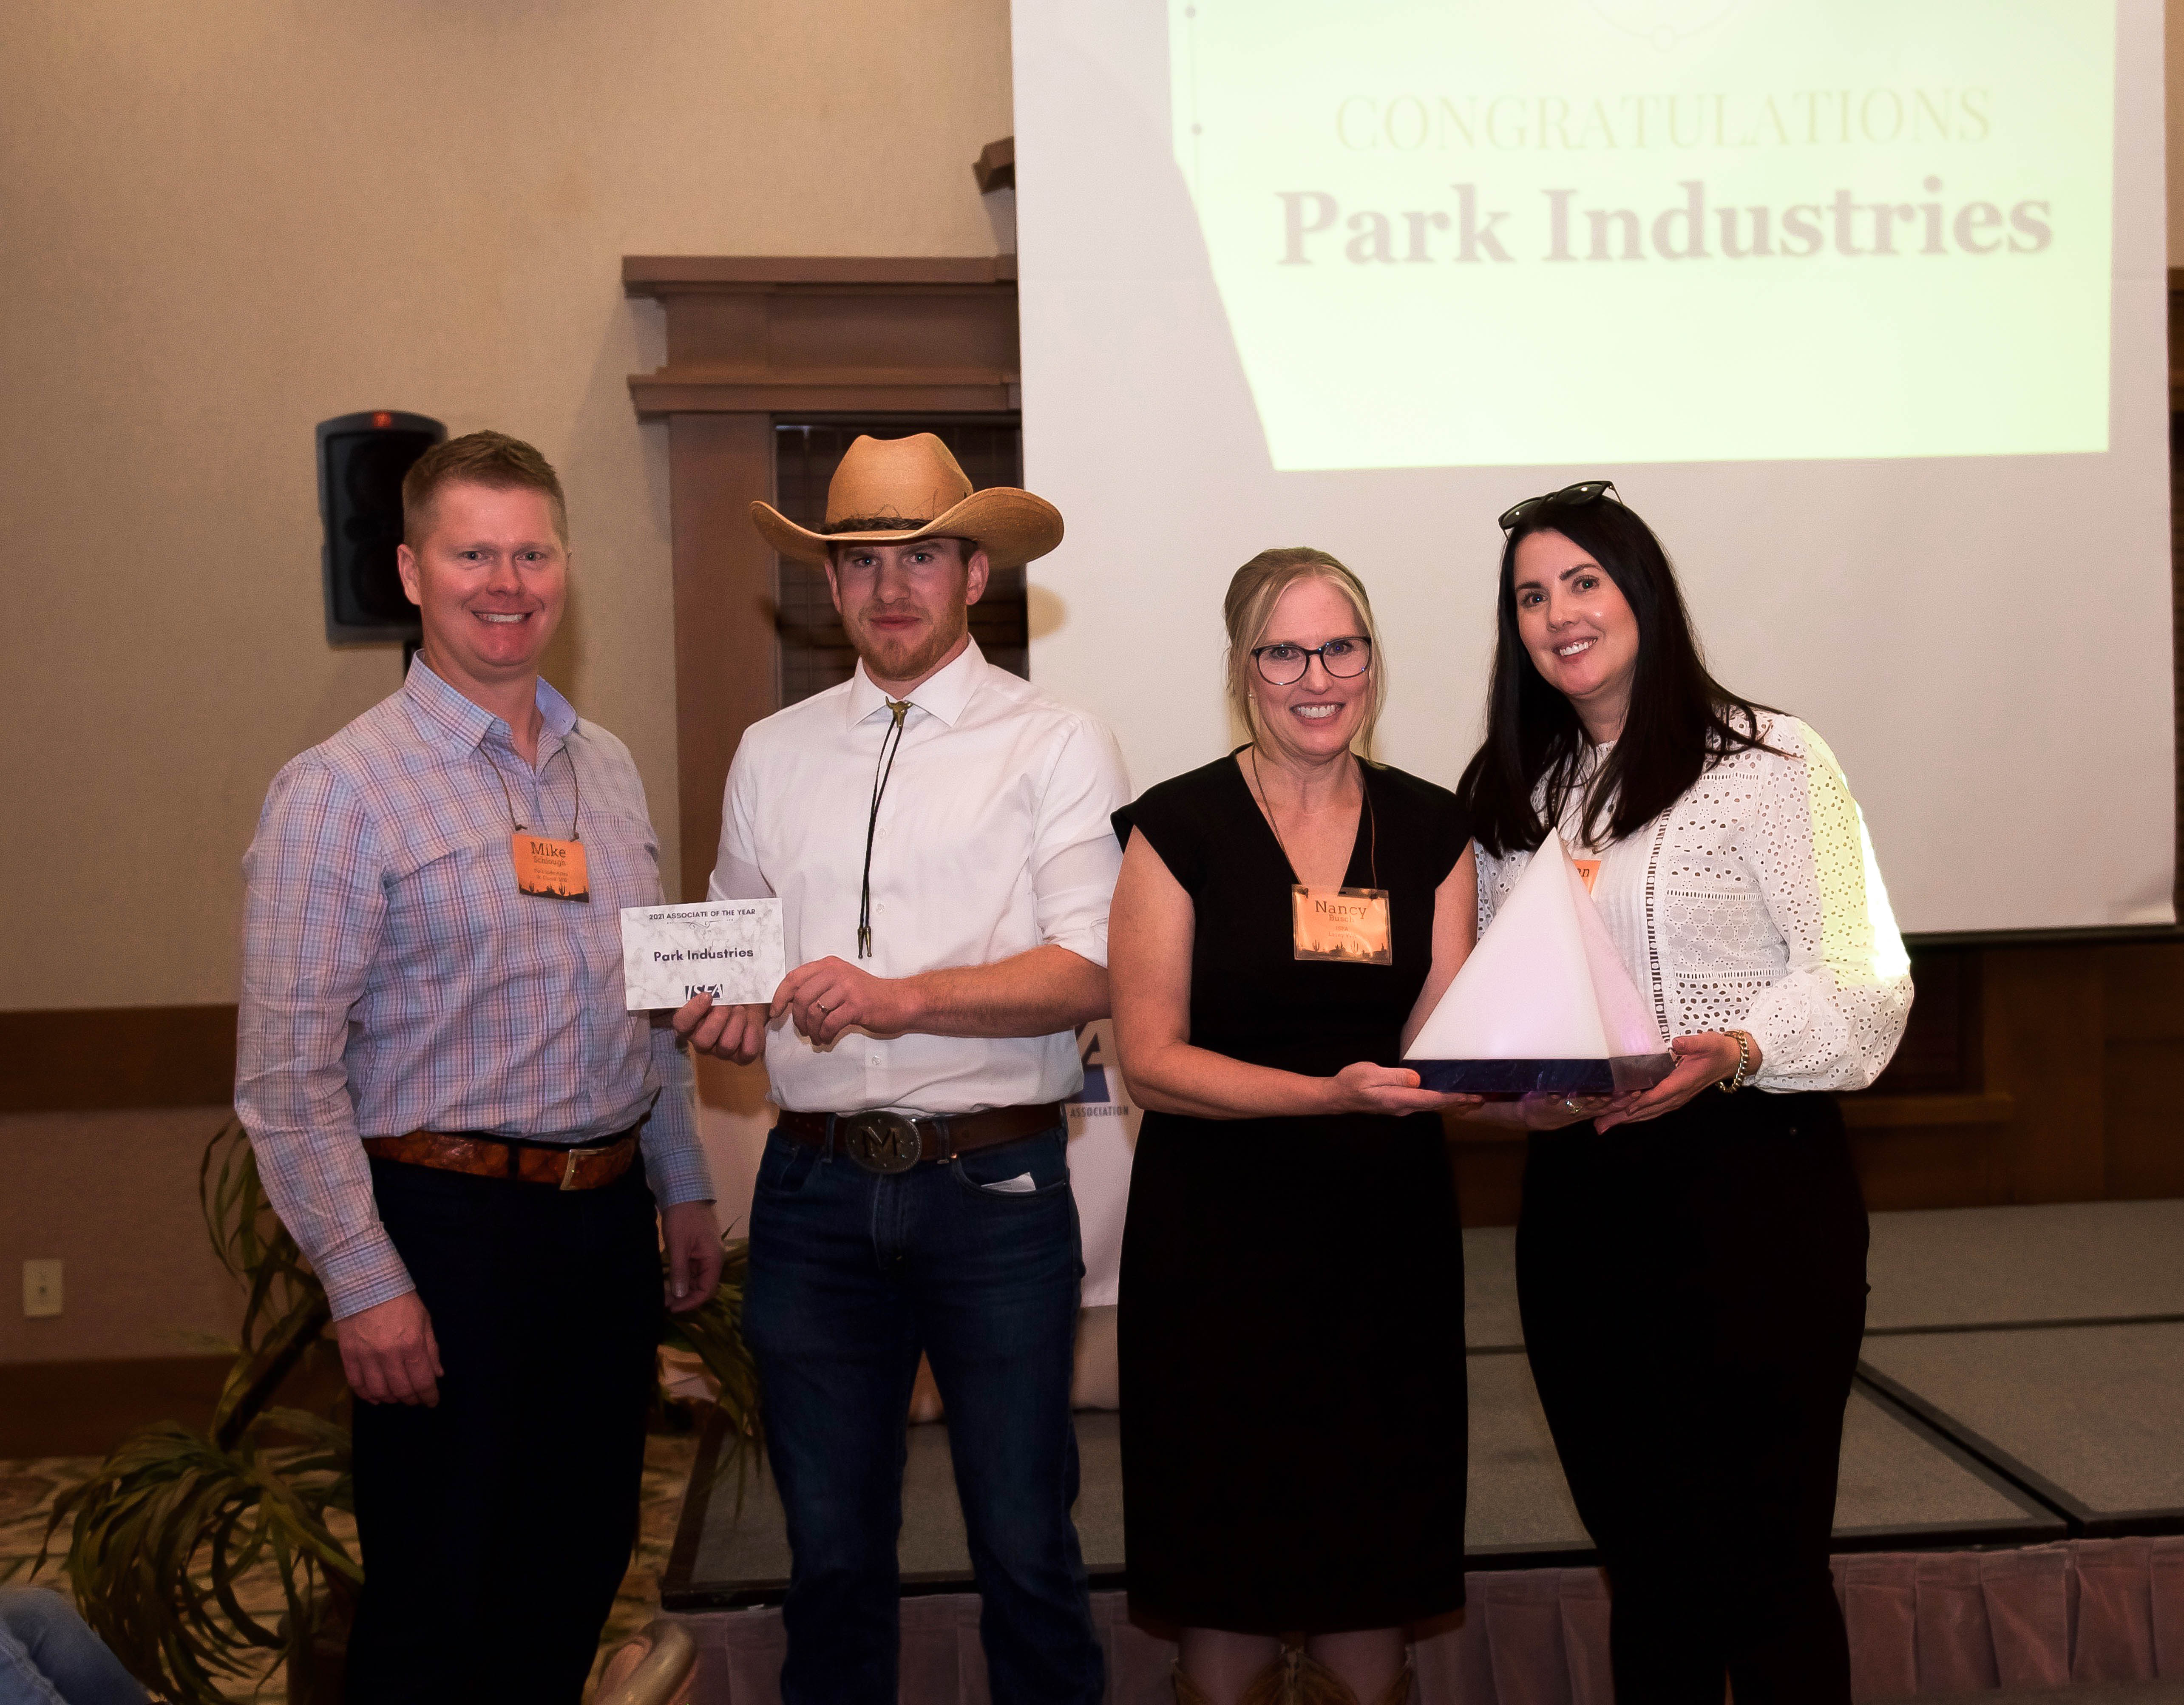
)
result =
(728, 949)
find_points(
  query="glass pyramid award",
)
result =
(1543, 1003)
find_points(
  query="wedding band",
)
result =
(1569, 1104)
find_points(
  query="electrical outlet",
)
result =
(42, 1289)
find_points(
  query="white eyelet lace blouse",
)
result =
(1753, 903)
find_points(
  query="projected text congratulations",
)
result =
(1782, 258)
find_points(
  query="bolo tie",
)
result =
(890, 744)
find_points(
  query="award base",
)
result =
(1508, 1080)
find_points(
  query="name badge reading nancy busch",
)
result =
(549, 868)
(1350, 925)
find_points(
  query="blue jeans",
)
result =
(49, 1657)
(852, 1274)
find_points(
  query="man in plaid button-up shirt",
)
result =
(499, 1333)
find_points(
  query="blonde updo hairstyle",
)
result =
(1254, 591)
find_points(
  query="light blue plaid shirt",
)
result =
(394, 980)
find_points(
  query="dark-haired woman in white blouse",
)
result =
(1691, 1264)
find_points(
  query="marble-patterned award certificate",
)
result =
(728, 948)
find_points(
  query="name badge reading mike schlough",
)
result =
(1348, 925)
(546, 865)
(549, 868)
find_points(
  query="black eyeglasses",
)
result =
(1584, 492)
(1284, 666)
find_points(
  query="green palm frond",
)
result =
(716, 1333)
(162, 1536)
(248, 1236)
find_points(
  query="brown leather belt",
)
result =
(585, 1169)
(883, 1142)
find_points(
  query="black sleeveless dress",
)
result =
(1291, 1325)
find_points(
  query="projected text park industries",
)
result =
(1315, 226)
(1502, 236)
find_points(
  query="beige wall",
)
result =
(224, 222)
(2173, 54)
(114, 1196)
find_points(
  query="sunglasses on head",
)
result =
(1584, 492)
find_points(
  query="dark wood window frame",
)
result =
(751, 341)
(815, 653)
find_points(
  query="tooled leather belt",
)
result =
(585, 1168)
(885, 1142)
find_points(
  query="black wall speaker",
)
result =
(362, 459)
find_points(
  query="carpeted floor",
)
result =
(668, 1461)
(28, 1489)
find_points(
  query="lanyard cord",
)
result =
(577, 812)
(1573, 803)
(890, 744)
(1372, 824)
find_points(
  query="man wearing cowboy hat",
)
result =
(937, 831)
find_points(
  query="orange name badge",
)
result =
(552, 869)
(1348, 925)
(1588, 870)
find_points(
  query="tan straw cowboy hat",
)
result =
(890, 491)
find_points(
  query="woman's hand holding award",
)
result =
(1544, 1005)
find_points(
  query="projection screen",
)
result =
(1861, 304)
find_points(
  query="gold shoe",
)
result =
(1275, 1685)
(1313, 1683)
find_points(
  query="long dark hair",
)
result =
(1680, 719)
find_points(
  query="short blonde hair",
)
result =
(1254, 591)
(492, 460)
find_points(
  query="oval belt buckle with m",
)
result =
(880, 1142)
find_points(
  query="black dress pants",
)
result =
(496, 1527)
(1693, 1293)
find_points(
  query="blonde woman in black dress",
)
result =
(1291, 1327)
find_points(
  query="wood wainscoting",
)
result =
(82, 1059)
(86, 1408)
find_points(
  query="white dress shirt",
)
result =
(993, 838)
(1753, 903)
